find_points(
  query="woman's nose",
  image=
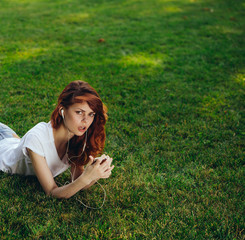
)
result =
(84, 118)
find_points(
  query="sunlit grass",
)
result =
(172, 9)
(240, 78)
(141, 59)
(30, 53)
(74, 18)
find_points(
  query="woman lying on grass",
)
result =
(73, 138)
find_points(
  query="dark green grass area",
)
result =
(172, 76)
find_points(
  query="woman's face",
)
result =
(78, 118)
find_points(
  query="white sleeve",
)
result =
(33, 143)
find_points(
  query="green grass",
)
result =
(172, 75)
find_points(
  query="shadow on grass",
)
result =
(16, 185)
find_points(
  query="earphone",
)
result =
(62, 113)
(69, 159)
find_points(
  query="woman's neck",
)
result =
(61, 137)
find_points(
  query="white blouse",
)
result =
(14, 156)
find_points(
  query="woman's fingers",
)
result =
(107, 164)
(108, 173)
(109, 169)
(108, 161)
(112, 168)
(98, 170)
(91, 159)
(101, 168)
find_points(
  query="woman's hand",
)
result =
(98, 169)
(107, 162)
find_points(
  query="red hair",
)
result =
(78, 92)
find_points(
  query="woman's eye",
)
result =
(92, 114)
(79, 112)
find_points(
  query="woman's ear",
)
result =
(62, 112)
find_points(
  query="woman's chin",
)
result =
(80, 133)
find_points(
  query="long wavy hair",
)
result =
(78, 92)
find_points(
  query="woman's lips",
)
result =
(82, 129)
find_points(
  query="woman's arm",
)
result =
(76, 171)
(44, 175)
(46, 179)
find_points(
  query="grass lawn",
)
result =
(172, 76)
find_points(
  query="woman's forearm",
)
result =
(78, 172)
(91, 184)
(70, 189)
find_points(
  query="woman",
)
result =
(73, 138)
